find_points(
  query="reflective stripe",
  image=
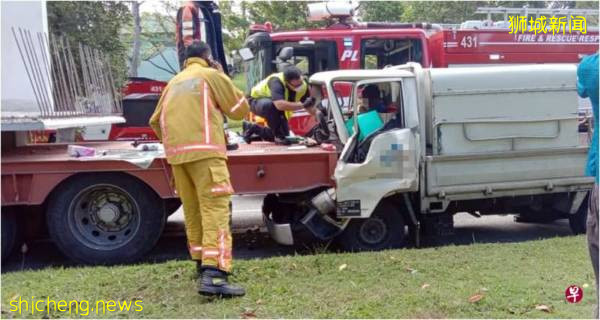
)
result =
(238, 104)
(206, 123)
(194, 248)
(210, 253)
(187, 32)
(222, 248)
(221, 190)
(194, 147)
(188, 24)
(224, 252)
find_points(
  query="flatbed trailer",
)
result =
(107, 209)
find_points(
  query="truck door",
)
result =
(381, 155)
(200, 20)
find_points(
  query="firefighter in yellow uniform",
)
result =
(189, 121)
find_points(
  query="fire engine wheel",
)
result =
(385, 229)
(10, 232)
(578, 220)
(105, 218)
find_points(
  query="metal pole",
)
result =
(38, 70)
(27, 70)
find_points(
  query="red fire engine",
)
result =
(348, 44)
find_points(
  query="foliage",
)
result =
(496, 280)
(449, 11)
(96, 24)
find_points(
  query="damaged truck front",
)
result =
(420, 145)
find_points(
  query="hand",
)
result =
(309, 102)
(312, 111)
(215, 65)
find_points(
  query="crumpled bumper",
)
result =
(281, 233)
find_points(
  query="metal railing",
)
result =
(67, 81)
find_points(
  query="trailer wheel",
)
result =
(10, 232)
(385, 229)
(105, 218)
(578, 220)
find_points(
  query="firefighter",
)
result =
(275, 98)
(189, 121)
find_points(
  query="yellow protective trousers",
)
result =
(205, 191)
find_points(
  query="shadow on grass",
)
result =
(253, 244)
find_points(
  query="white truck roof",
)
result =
(354, 75)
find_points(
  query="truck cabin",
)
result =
(378, 103)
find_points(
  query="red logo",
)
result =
(574, 294)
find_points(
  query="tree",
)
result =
(284, 15)
(235, 24)
(450, 11)
(96, 24)
(137, 30)
(382, 10)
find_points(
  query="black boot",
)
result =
(213, 282)
(247, 131)
(282, 141)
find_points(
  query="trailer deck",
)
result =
(30, 173)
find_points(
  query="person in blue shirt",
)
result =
(587, 87)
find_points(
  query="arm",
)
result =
(230, 99)
(155, 118)
(283, 105)
(278, 97)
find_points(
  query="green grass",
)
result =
(240, 81)
(413, 283)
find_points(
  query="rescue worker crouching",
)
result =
(275, 98)
(189, 121)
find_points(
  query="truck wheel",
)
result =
(105, 218)
(385, 229)
(10, 232)
(578, 220)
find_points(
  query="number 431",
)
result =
(469, 42)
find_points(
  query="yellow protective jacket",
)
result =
(189, 116)
(262, 90)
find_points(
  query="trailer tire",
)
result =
(578, 220)
(105, 218)
(10, 233)
(385, 229)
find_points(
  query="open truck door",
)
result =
(200, 20)
(381, 155)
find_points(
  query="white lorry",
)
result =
(491, 140)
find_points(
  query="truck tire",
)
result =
(10, 233)
(578, 220)
(105, 218)
(385, 229)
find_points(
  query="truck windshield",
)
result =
(379, 53)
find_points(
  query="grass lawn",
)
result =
(511, 280)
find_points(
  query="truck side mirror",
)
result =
(246, 54)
